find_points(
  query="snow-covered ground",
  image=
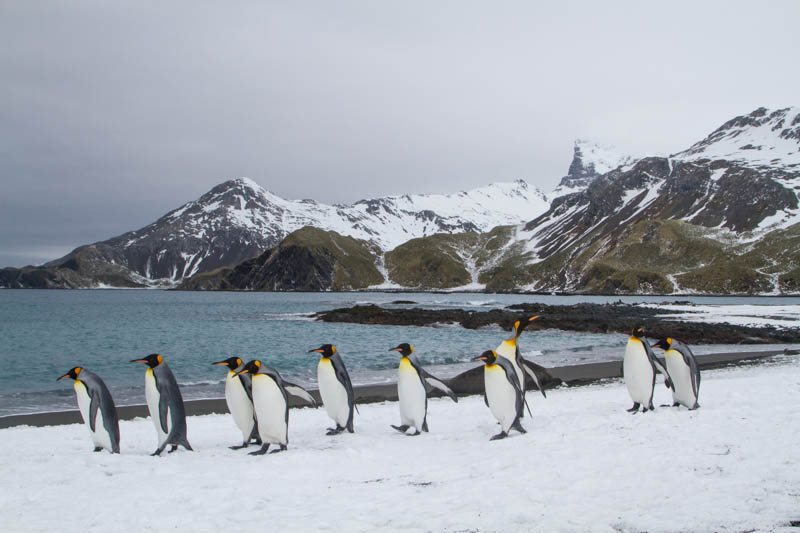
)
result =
(781, 316)
(584, 465)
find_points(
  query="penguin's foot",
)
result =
(696, 406)
(260, 451)
(157, 453)
(334, 431)
(401, 429)
(518, 426)
(500, 435)
(239, 447)
(634, 408)
(173, 448)
(416, 433)
(283, 448)
(98, 448)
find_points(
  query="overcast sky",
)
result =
(113, 113)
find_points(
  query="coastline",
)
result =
(467, 383)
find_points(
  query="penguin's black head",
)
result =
(231, 362)
(152, 360)
(326, 350)
(521, 324)
(664, 344)
(251, 368)
(73, 373)
(488, 357)
(638, 332)
(405, 349)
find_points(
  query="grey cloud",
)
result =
(112, 113)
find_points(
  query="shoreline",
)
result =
(467, 383)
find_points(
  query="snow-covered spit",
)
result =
(584, 465)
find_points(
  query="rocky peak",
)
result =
(589, 160)
(763, 139)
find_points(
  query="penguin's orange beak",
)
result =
(531, 319)
(245, 371)
(318, 350)
(62, 377)
(139, 361)
(220, 363)
(480, 358)
(395, 349)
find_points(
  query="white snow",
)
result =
(584, 465)
(781, 316)
(757, 146)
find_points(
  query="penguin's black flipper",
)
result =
(163, 407)
(437, 383)
(254, 434)
(530, 369)
(485, 399)
(300, 392)
(425, 425)
(94, 404)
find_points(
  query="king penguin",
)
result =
(271, 403)
(165, 403)
(683, 372)
(97, 408)
(639, 371)
(413, 383)
(510, 350)
(239, 397)
(335, 389)
(503, 393)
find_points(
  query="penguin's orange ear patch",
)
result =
(333, 349)
(160, 359)
(411, 348)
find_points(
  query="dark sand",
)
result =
(465, 384)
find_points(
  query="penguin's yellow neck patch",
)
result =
(149, 371)
(324, 361)
(405, 365)
(511, 342)
(79, 384)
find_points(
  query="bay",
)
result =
(45, 333)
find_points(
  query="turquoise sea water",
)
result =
(45, 333)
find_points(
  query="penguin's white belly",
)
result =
(333, 393)
(270, 407)
(681, 376)
(239, 405)
(100, 436)
(412, 396)
(152, 396)
(508, 350)
(638, 373)
(501, 395)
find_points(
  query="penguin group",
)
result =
(640, 366)
(258, 397)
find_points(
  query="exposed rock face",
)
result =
(589, 161)
(308, 260)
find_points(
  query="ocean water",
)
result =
(45, 333)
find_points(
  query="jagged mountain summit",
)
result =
(238, 219)
(590, 159)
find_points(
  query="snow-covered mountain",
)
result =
(239, 219)
(736, 186)
(763, 140)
